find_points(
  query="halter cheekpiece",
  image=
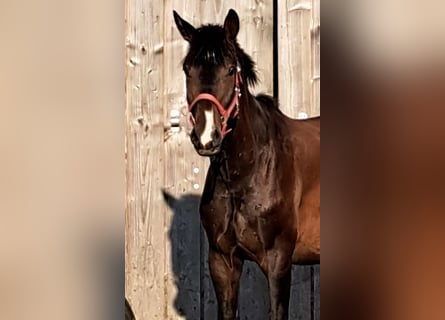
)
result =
(225, 114)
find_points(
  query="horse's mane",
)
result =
(210, 46)
(267, 100)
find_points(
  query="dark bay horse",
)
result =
(261, 199)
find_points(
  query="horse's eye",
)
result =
(232, 71)
(186, 71)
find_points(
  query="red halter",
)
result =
(225, 114)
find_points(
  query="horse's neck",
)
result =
(244, 145)
(251, 124)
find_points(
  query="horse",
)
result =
(261, 198)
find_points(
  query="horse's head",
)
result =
(212, 68)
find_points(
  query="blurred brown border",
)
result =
(62, 170)
(383, 155)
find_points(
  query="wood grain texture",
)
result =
(145, 214)
(315, 50)
(298, 57)
(300, 299)
(316, 292)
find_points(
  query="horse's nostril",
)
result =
(216, 135)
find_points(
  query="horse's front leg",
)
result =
(225, 272)
(279, 278)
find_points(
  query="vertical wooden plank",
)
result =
(255, 35)
(315, 49)
(256, 38)
(145, 212)
(300, 299)
(294, 56)
(316, 292)
(254, 293)
(315, 111)
(208, 298)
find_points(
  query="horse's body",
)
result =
(261, 199)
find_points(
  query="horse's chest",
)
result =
(243, 219)
(242, 228)
(248, 233)
(254, 227)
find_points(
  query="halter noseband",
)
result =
(225, 114)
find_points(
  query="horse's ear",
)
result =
(186, 29)
(231, 24)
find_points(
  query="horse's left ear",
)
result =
(231, 24)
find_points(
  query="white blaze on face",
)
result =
(206, 135)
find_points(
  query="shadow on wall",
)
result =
(185, 238)
(129, 315)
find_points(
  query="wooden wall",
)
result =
(299, 56)
(166, 250)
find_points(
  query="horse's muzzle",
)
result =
(210, 149)
(209, 152)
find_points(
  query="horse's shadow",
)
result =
(185, 237)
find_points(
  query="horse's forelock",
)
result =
(207, 47)
(211, 46)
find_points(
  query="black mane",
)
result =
(268, 101)
(210, 46)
